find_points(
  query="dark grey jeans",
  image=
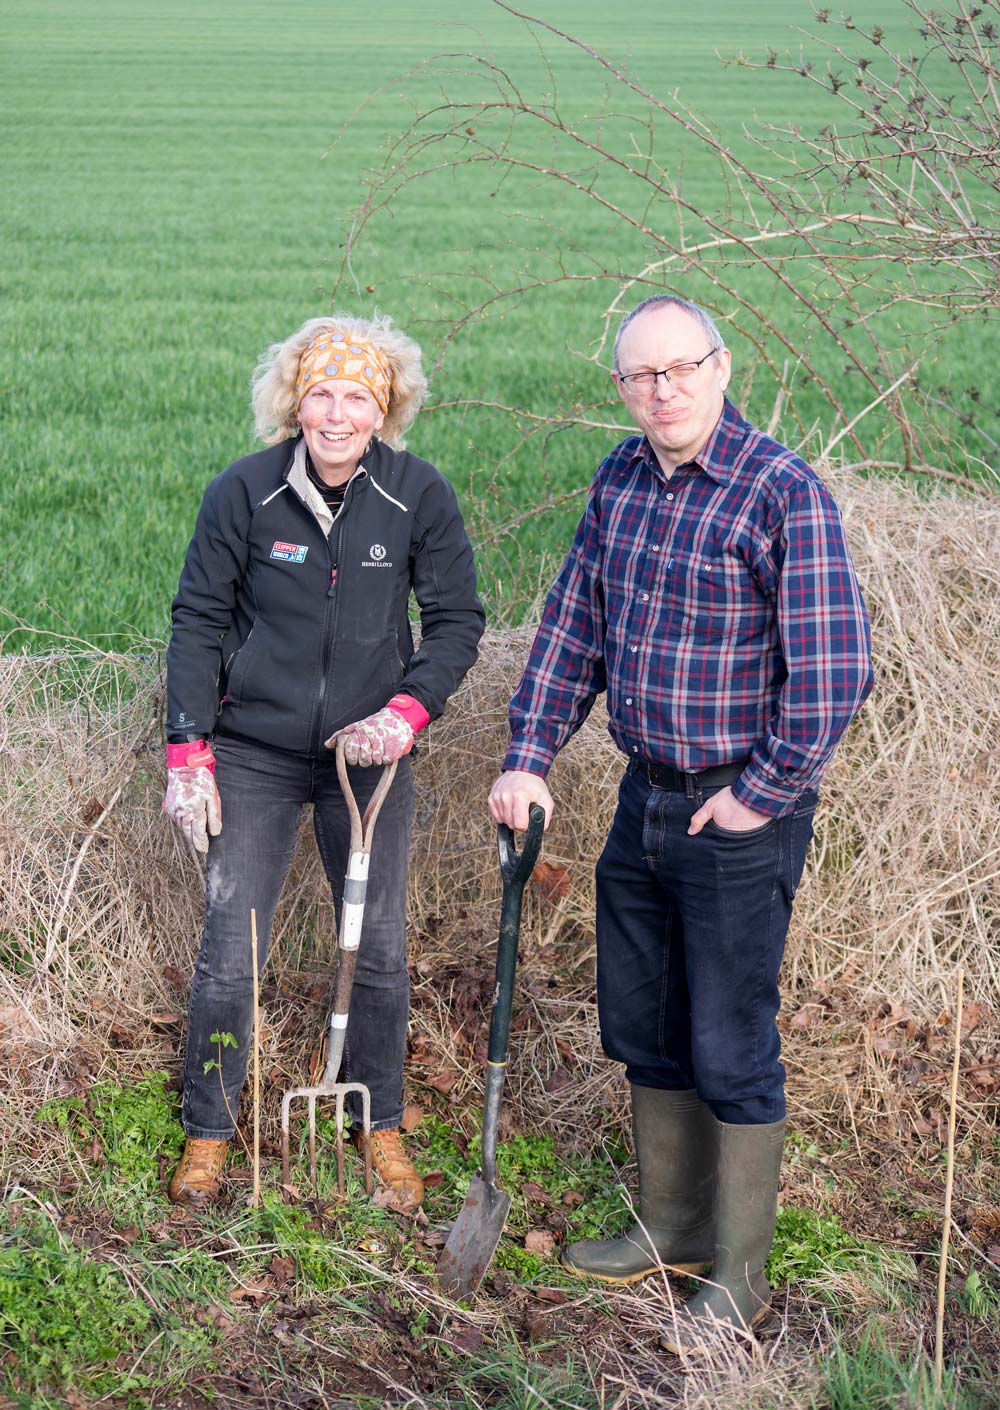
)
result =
(262, 793)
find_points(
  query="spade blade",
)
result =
(473, 1239)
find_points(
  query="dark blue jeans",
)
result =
(690, 935)
(262, 793)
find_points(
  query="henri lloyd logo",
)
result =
(377, 558)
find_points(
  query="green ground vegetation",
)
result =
(870, 1373)
(174, 201)
(67, 1319)
(106, 1292)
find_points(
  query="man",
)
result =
(710, 591)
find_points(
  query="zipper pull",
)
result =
(333, 581)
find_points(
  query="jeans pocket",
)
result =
(737, 833)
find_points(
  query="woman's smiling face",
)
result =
(338, 420)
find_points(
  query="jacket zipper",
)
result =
(329, 622)
(330, 614)
(330, 606)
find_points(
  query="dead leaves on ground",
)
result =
(916, 1054)
(921, 1053)
(388, 1198)
(413, 1114)
(445, 1066)
(464, 1339)
(551, 881)
(541, 1242)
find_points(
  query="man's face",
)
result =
(677, 416)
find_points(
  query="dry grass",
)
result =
(101, 902)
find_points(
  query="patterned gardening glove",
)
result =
(384, 736)
(192, 800)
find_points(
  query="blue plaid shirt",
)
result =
(718, 608)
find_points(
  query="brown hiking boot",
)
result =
(394, 1167)
(199, 1174)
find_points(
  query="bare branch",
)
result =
(894, 211)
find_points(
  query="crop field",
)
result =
(175, 198)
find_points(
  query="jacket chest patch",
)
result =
(289, 552)
(376, 557)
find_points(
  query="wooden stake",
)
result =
(948, 1187)
(255, 1197)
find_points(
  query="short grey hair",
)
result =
(701, 316)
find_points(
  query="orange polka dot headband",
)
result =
(334, 355)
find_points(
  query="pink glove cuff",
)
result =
(196, 753)
(411, 710)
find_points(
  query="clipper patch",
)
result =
(289, 552)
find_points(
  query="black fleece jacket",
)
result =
(284, 635)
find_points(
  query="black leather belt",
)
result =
(676, 781)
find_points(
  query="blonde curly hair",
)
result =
(273, 394)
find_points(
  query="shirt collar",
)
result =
(298, 477)
(718, 459)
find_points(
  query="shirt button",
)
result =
(669, 496)
(635, 748)
(656, 548)
(645, 596)
(628, 700)
(633, 648)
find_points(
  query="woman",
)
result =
(290, 628)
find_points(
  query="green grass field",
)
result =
(172, 204)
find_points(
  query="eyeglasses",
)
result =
(680, 372)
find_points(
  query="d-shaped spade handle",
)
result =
(516, 867)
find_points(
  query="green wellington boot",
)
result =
(745, 1211)
(676, 1137)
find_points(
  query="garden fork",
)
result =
(351, 915)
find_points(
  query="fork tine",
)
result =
(312, 1145)
(340, 1143)
(366, 1136)
(285, 1153)
(339, 1093)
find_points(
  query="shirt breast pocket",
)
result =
(712, 594)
